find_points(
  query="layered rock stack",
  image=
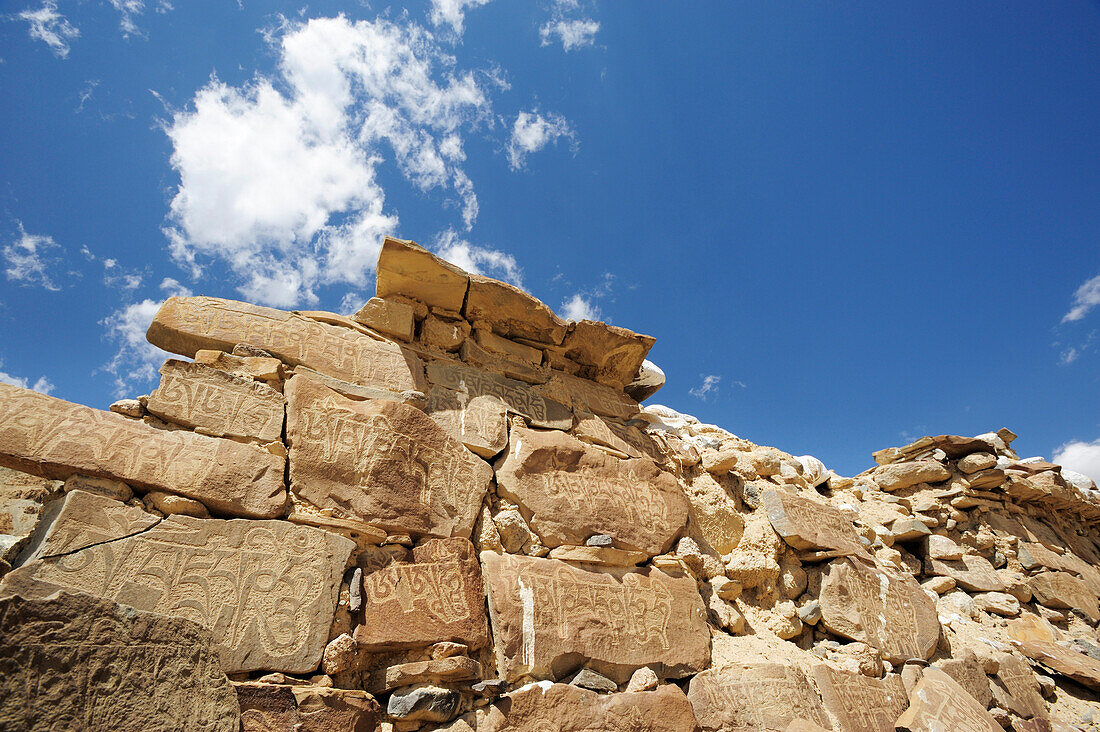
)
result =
(449, 512)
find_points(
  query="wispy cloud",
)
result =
(130, 9)
(1084, 457)
(569, 25)
(452, 13)
(1085, 299)
(532, 132)
(41, 384)
(579, 307)
(707, 387)
(135, 363)
(29, 259)
(50, 27)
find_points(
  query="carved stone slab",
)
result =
(1015, 687)
(967, 671)
(72, 661)
(569, 490)
(54, 438)
(279, 708)
(890, 612)
(198, 396)
(549, 618)
(765, 696)
(938, 702)
(972, 572)
(590, 396)
(519, 397)
(512, 312)
(1063, 590)
(806, 524)
(381, 462)
(480, 423)
(266, 590)
(859, 702)
(435, 598)
(1033, 555)
(184, 325)
(610, 354)
(1080, 667)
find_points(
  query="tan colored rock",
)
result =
(898, 476)
(642, 680)
(968, 672)
(806, 524)
(1036, 556)
(480, 423)
(260, 368)
(1032, 628)
(436, 597)
(604, 555)
(714, 513)
(266, 590)
(184, 325)
(999, 603)
(389, 317)
(888, 611)
(448, 670)
(597, 431)
(105, 487)
(1080, 667)
(381, 462)
(298, 708)
(411, 397)
(494, 343)
(55, 438)
(952, 446)
(409, 270)
(72, 661)
(1016, 688)
(755, 560)
(943, 547)
(170, 504)
(446, 335)
(860, 703)
(719, 462)
(1063, 590)
(590, 396)
(519, 397)
(571, 491)
(512, 312)
(973, 573)
(748, 696)
(218, 403)
(128, 408)
(473, 354)
(938, 702)
(976, 461)
(607, 353)
(549, 618)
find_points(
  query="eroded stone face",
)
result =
(806, 524)
(480, 423)
(73, 661)
(859, 702)
(753, 696)
(278, 708)
(550, 618)
(1016, 688)
(972, 572)
(571, 490)
(55, 438)
(887, 611)
(1063, 590)
(409, 270)
(184, 325)
(380, 462)
(512, 312)
(519, 397)
(1080, 667)
(567, 708)
(266, 590)
(938, 702)
(589, 396)
(435, 598)
(610, 354)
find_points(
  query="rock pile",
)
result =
(450, 512)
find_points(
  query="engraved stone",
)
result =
(972, 572)
(806, 524)
(550, 618)
(890, 612)
(266, 590)
(409, 270)
(749, 696)
(968, 672)
(391, 317)
(75, 662)
(439, 671)
(198, 396)
(609, 354)
(381, 462)
(184, 325)
(1063, 590)
(566, 708)
(519, 397)
(1036, 556)
(569, 490)
(480, 423)
(1015, 687)
(303, 708)
(859, 702)
(938, 703)
(1080, 667)
(589, 396)
(437, 597)
(54, 438)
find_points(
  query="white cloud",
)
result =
(1084, 457)
(453, 13)
(579, 307)
(127, 10)
(50, 27)
(479, 260)
(532, 132)
(29, 261)
(278, 176)
(1069, 356)
(708, 386)
(136, 362)
(573, 33)
(1085, 299)
(41, 384)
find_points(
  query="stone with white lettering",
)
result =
(480, 423)
(1016, 688)
(750, 696)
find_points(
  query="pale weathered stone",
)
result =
(749, 696)
(1033, 555)
(55, 438)
(446, 335)
(1063, 590)
(714, 514)
(1016, 688)
(409, 270)
(642, 680)
(972, 572)
(260, 368)
(184, 325)
(301, 708)
(494, 343)
(566, 708)
(999, 603)
(976, 461)
(589, 396)
(265, 589)
(72, 661)
(951, 446)
(381, 462)
(389, 317)
(480, 423)
(128, 408)
(519, 397)
(605, 555)
(549, 618)
(450, 670)
(436, 597)
(943, 547)
(607, 353)
(512, 312)
(571, 490)
(1072, 664)
(198, 396)
(937, 702)
(473, 354)
(898, 476)
(968, 672)
(807, 524)
(719, 461)
(908, 529)
(861, 703)
(890, 612)
(170, 504)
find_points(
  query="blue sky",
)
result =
(847, 224)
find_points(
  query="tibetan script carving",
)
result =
(519, 397)
(480, 423)
(766, 696)
(807, 524)
(861, 703)
(937, 702)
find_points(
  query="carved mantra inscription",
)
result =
(807, 524)
(861, 703)
(541, 411)
(186, 324)
(595, 397)
(752, 696)
(938, 702)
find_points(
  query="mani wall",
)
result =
(450, 512)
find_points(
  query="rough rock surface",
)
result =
(301, 708)
(754, 696)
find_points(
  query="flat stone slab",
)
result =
(937, 702)
(449, 670)
(973, 573)
(72, 661)
(283, 708)
(1063, 590)
(1015, 687)
(201, 397)
(750, 696)
(409, 270)
(512, 312)
(861, 703)
(550, 618)
(569, 490)
(807, 524)
(480, 423)
(584, 395)
(435, 598)
(888, 611)
(518, 396)
(266, 590)
(381, 462)
(1080, 667)
(56, 439)
(607, 353)
(565, 708)
(185, 325)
